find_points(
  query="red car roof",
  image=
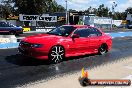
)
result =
(78, 26)
(83, 26)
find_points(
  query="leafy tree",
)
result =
(129, 10)
(54, 7)
(110, 14)
(91, 10)
(5, 9)
(102, 11)
(31, 7)
(123, 15)
(72, 10)
(36, 7)
(120, 16)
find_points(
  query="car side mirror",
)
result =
(75, 36)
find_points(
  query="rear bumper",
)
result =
(34, 53)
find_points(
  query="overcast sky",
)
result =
(84, 4)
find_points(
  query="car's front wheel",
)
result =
(56, 54)
(103, 49)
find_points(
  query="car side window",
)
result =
(82, 32)
(9, 25)
(95, 31)
(2, 24)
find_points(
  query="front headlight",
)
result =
(36, 45)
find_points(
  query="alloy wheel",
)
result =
(57, 54)
(102, 49)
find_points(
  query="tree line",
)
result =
(103, 11)
(29, 7)
(37, 7)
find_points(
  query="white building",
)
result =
(129, 18)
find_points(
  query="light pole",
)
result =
(113, 11)
(113, 7)
(66, 13)
(67, 18)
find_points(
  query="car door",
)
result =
(80, 45)
(4, 27)
(95, 37)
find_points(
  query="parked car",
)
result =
(6, 27)
(122, 26)
(130, 26)
(66, 41)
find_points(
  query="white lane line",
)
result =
(9, 48)
(120, 32)
(56, 68)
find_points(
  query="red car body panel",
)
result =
(73, 47)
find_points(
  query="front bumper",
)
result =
(38, 54)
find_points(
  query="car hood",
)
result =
(41, 38)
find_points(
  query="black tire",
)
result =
(12, 33)
(103, 49)
(85, 82)
(56, 54)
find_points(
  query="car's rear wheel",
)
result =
(56, 54)
(103, 49)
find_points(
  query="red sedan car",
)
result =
(66, 41)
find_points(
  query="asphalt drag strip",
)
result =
(17, 70)
(107, 71)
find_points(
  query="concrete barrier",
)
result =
(8, 39)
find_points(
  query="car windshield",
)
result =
(11, 25)
(6, 24)
(62, 31)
